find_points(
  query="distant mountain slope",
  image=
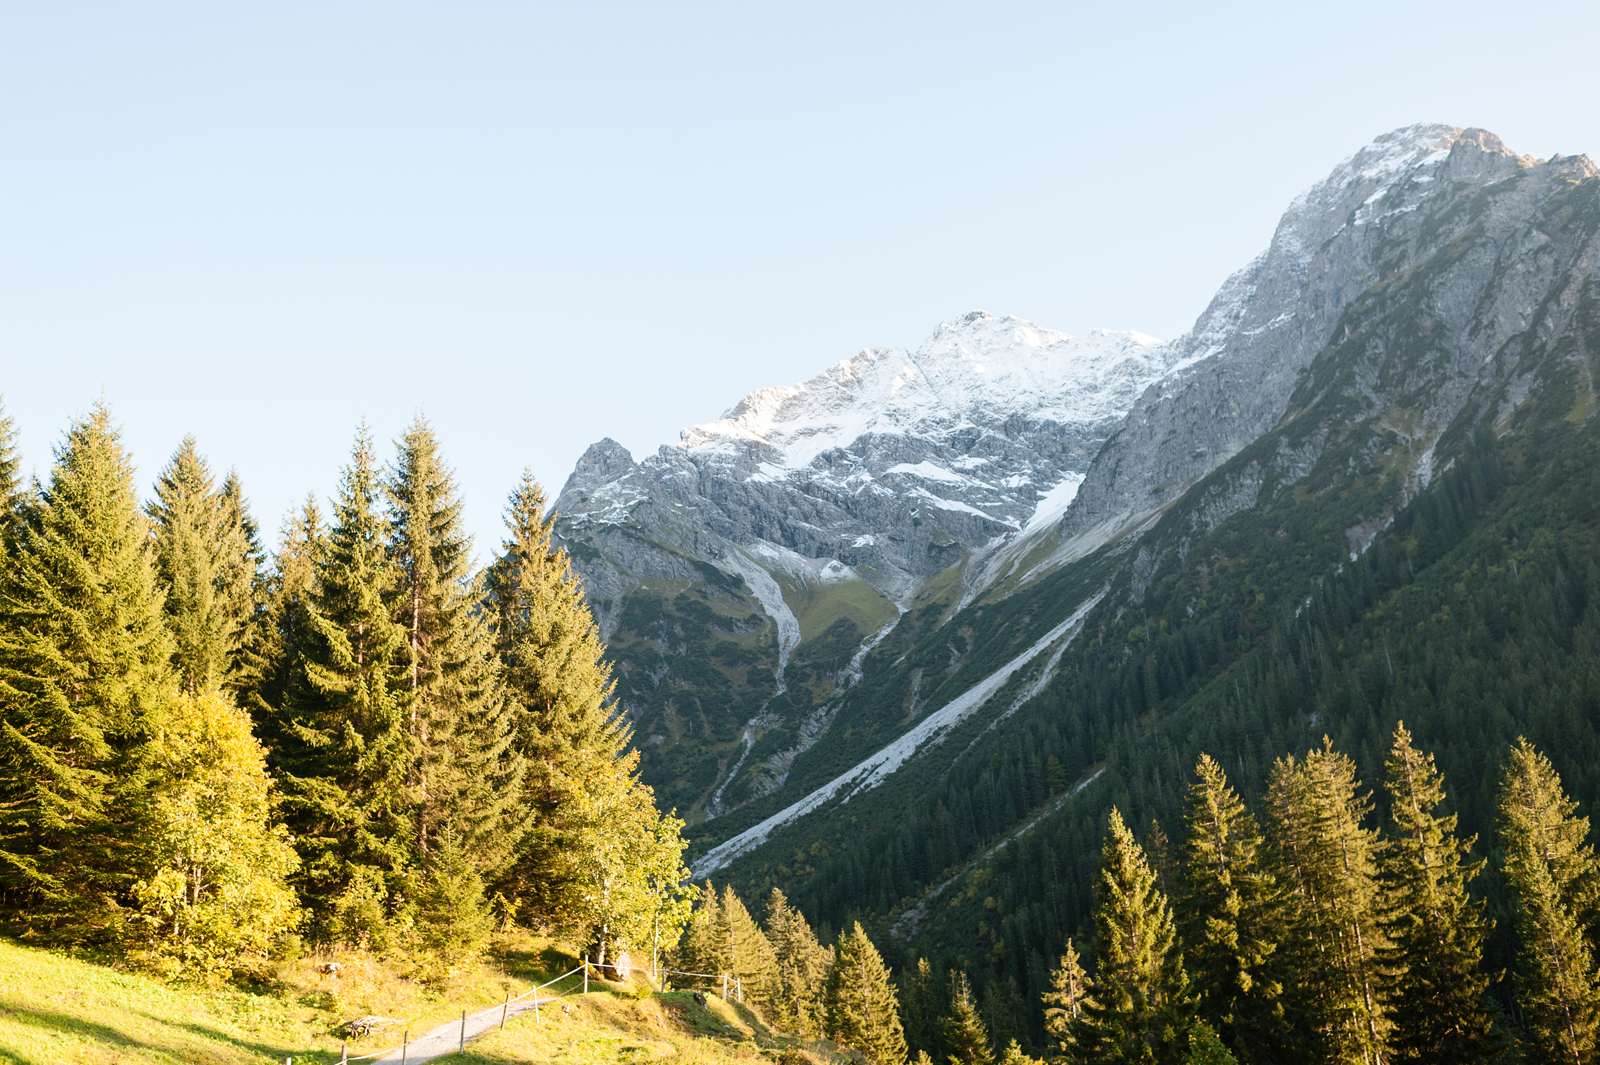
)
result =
(1416, 533)
(740, 575)
(744, 577)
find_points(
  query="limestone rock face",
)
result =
(743, 575)
(1387, 208)
(894, 464)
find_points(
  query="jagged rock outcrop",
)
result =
(1433, 273)
(1378, 212)
(895, 464)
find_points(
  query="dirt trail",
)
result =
(446, 1039)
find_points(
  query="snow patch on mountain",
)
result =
(969, 372)
(875, 770)
(1052, 504)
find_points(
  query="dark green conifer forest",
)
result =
(1287, 643)
(1302, 802)
(361, 740)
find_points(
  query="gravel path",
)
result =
(446, 1039)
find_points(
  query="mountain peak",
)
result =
(603, 462)
(978, 369)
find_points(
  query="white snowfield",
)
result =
(875, 770)
(976, 370)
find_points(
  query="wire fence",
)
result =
(732, 989)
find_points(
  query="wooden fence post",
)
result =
(461, 1047)
(405, 1048)
(507, 1006)
(724, 987)
(586, 976)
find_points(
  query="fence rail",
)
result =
(583, 967)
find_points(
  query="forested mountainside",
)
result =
(737, 575)
(1411, 533)
(740, 576)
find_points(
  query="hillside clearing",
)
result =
(67, 1011)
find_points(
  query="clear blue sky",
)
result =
(549, 224)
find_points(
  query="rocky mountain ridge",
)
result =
(891, 465)
(780, 543)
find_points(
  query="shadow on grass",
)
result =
(536, 966)
(269, 1050)
(10, 1056)
(109, 1036)
(68, 1023)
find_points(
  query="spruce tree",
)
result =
(1550, 868)
(704, 947)
(83, 668)
(752, 965)
(1140, 1007)
(863, 1007)
(344, 744)
(555, 668)
(1205, 1048)
(11, 486)
(722, 940)
(1063, 1008)
(801, 968)
(453, 920)
(1164, 861)
(271, 676)
(965, 1038)
(1436, 997)
(242, 575)
(921, 1006)
(466, 776)
(1329, 862)
(1232, 919)
(1014, 1055)
(209, 561)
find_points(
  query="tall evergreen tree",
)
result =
(1232, 918)
(1436, 931)
(271, 675)
(555, 668)
(722, 940)
(751, 961)
(1330, 864)
(1205, 1048)
(209, 561)
(83, 667)
(921, 1006)
(863, 1006)
(344, 743)
(241, 577)
(1140, 1007)
(11, 487)
(466, 775)
(1063, 1008)
(1551, 869)
(965, 1038)
(1164, 860)
(801, 968)
(704, 947)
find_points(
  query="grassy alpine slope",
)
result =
(68, 1011)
